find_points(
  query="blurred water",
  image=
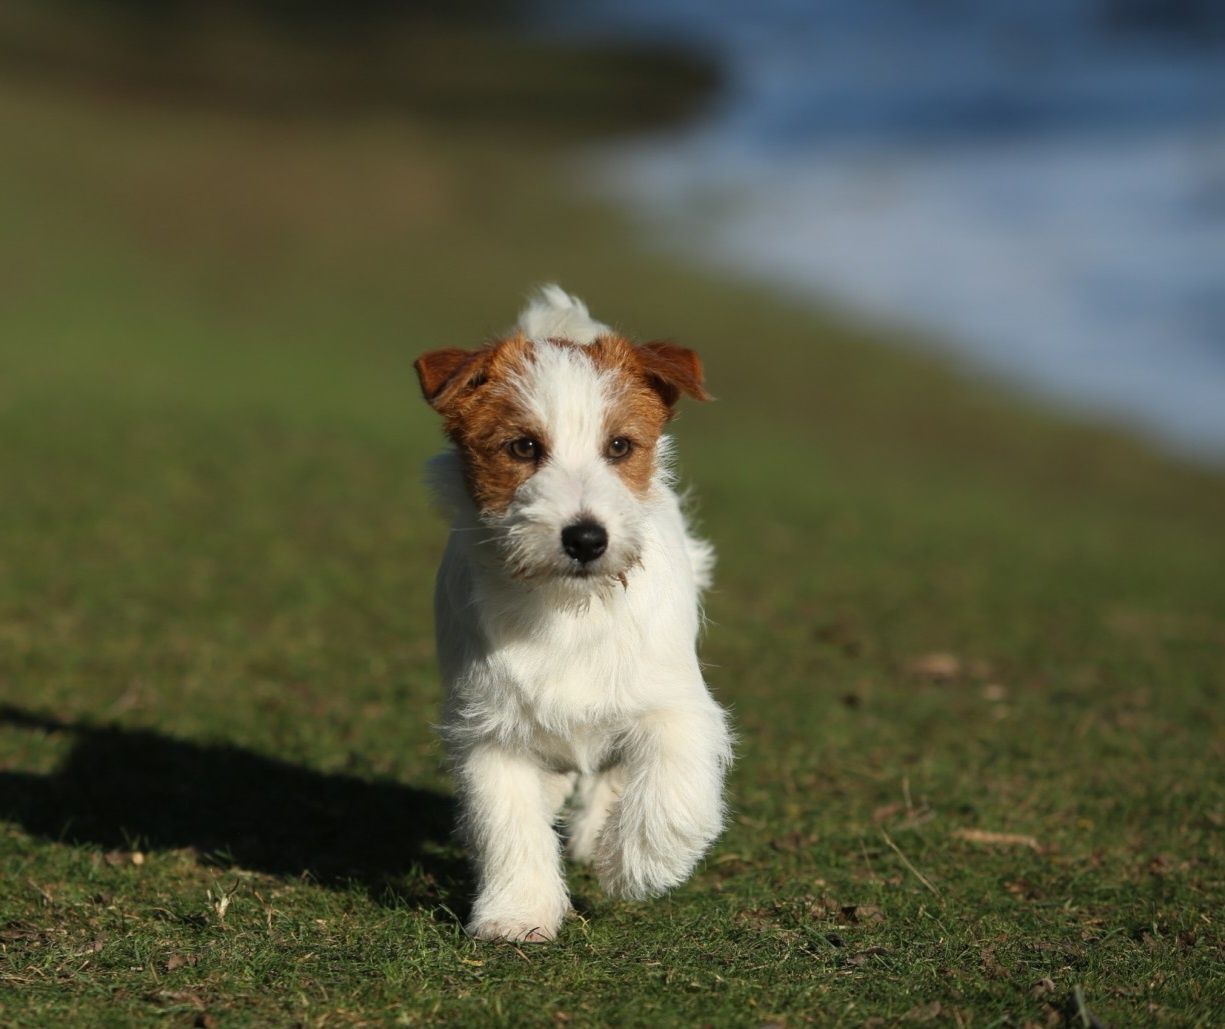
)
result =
(1039, 186)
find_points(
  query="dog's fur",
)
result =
(567, 679)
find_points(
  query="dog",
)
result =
(567, 614)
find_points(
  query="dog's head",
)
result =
(558, 442)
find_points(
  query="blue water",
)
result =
(1038, 187)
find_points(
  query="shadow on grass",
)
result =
(122, 788)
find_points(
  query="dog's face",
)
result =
(558, 443)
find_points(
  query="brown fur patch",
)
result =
(673, 370)
(437, 368)
(482, 413)
(637, 412)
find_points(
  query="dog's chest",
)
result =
(570, 689)
(576, 666)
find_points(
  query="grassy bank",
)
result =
(939, 616)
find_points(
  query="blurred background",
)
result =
(1038, 189)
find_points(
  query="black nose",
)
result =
(584, 541)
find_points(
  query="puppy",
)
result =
(567, 614)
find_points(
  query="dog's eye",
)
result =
(619, 447)
(523, 449)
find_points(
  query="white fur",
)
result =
(559, 685)
(554, 314)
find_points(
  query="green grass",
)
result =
(222, 801)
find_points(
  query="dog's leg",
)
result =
(671, 808)
(509, 803)
(597, 793)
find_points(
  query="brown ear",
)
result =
(443, 373)
(673, 370)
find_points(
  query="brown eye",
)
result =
(619, 447)
(523, 449)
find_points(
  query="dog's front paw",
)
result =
(512, 931)
(639, 865)
(518, 919)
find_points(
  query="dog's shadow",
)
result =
(125, 788)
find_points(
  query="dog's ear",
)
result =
(444, 374)
(672, 370)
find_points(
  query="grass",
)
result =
(222, 801)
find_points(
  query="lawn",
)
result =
(975, 652)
